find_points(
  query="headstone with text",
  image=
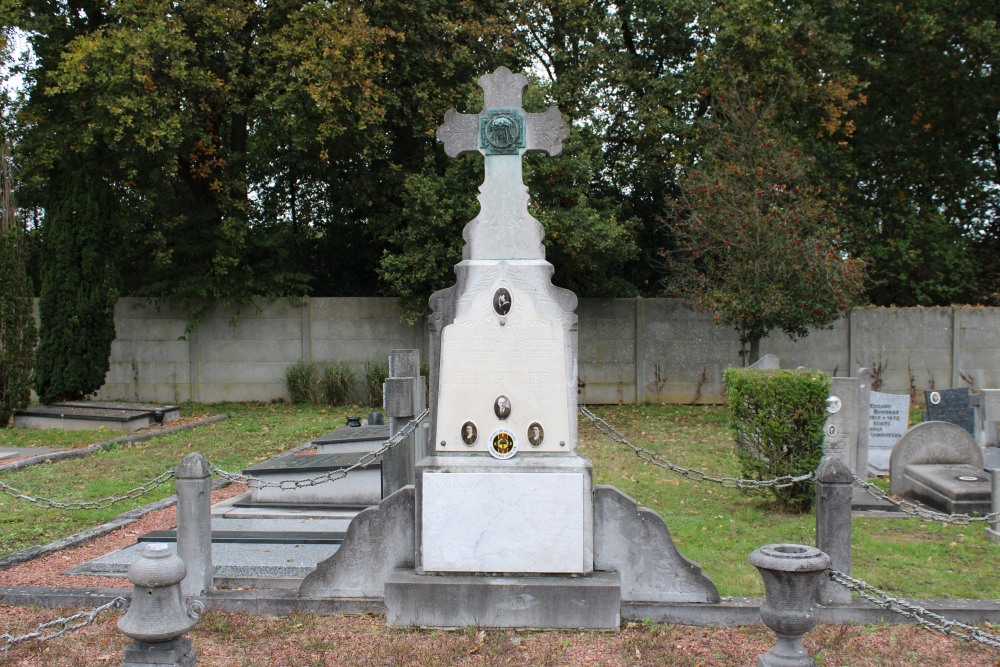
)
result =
(952, 406)
(840, 432)
(888, 421)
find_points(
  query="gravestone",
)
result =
(505, 528)
(987, 407)
(940, 464)
(840, 431)
(888, 421)
(952, 406)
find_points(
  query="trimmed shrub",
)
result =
(777, 417)
(337, 383)
(300, 381)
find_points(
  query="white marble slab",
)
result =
(504, 522)
(524, 355)
(888, 421)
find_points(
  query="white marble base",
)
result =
(480, 515)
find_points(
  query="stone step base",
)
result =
(253, 537)
(591, 602)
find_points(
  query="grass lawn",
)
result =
(712, 525)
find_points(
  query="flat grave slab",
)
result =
(21, 452)
(348, 439)
(253, 537)
(952, 488)
(87, 415)
(229, 560)
(360, 487)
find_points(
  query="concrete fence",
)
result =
(645, 350)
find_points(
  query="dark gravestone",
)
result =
(952, 406)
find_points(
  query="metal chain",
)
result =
(100, 503)
(65, 625)
(922, 616)
(922, 512)
(692, 473)
(363, 462)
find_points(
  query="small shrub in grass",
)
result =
(777, 419)
(375, 373)
(337, 383)
(300, 381)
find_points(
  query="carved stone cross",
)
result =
(503, 132)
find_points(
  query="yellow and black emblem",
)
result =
(503, 444)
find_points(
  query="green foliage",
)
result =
(777, 419)
(17, 320)
(338, 383)
(756, 243)
(301, 383)
(79, 288)
(374, 375)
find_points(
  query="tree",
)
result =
(920, 176)
(756, 244)
(17, 320)
(79, 287)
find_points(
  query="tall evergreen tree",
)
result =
(79, 286)
(17, 321)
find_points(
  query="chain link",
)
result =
(363, 462)
(692, 473)
(922, 616)
(65, 625)
(100, 503)
(922, 512)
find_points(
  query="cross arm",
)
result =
(460, 133)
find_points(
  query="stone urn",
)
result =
(792, 574)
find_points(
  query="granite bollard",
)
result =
(194, 523)
(993, 529)
(834, 492)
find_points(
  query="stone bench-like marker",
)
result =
(939, 464)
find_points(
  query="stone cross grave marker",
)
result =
(505, 423)
(503, 132)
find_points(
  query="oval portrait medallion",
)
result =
(470, 434)
(503, 444)
(501, 301)
(536, 434)
(501, 407)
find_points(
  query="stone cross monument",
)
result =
(503, 526)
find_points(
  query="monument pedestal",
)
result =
(478, 514)
(552, 602)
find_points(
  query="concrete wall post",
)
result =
(834, 491)
(403, 400)
(194, 523)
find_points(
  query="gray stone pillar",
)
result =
(194, 523)
(993, 530)
(404, 399)
(864, 400)
(834, 491)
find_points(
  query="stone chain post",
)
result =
(993, 530)
(834, 493)
(194, 523)
(403, 400)
(157, 617)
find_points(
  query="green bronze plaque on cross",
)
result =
(501, 131)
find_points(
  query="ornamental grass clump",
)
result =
(777, 419)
